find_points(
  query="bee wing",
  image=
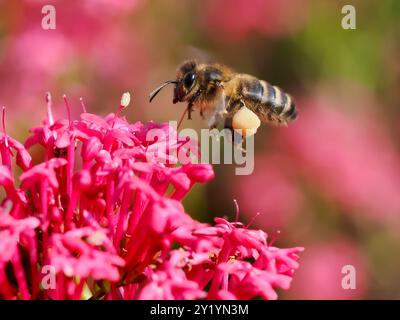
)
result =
(194, 53)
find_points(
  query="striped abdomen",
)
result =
(270, 103)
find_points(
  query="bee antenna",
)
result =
(158, 89)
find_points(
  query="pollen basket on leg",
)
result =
(246, 122)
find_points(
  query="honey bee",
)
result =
(241, 100)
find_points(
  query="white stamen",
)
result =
(125, 99)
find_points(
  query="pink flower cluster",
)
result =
(109, 223)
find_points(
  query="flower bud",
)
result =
(125, 99)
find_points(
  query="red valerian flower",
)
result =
(103, 220)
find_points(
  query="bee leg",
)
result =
(214, 120)
(219, 113)
(191, 103)
(231, 135)
(190, 110)
(228, 130)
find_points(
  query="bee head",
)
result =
(185, 83)
(186, 79)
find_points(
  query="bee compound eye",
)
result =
(189, 80)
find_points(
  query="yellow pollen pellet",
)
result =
(245, 122)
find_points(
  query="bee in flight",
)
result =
(240, 100)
